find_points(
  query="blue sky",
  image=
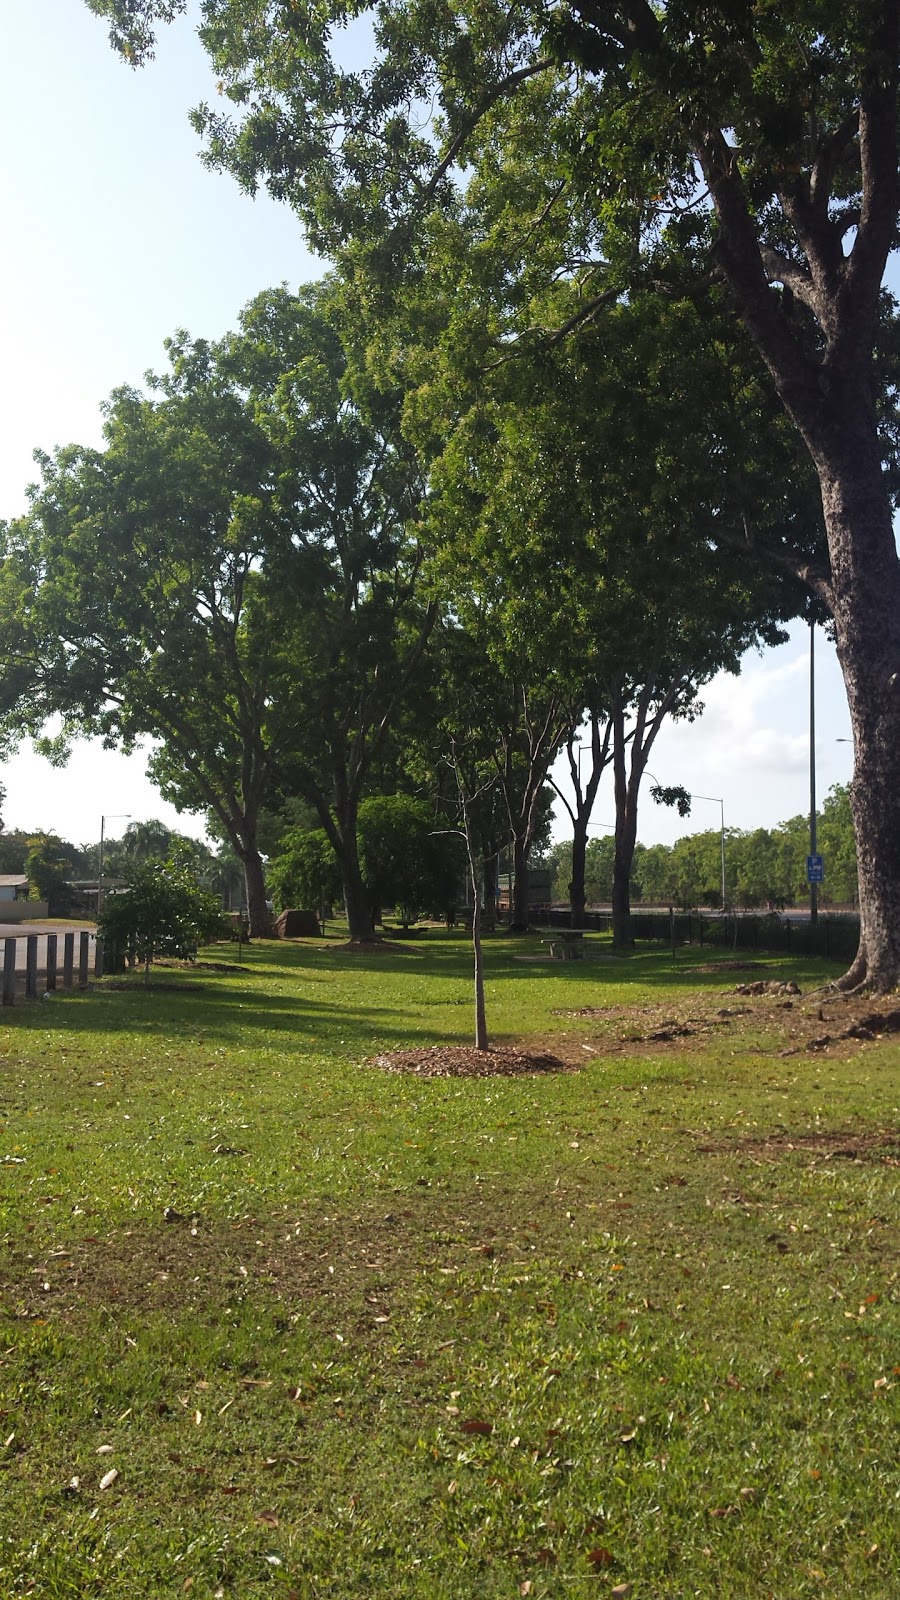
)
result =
(116, 235)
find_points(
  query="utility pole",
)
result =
(111, 817)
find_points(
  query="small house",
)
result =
(13, 886)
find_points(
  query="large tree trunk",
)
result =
(341, 827)
(356, 900)
(577, 897)
(520, 892)
(831, 398)
(866, 605)
(255, 886)
(626, 825)
(623, 938)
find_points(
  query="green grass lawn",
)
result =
(635, 1324)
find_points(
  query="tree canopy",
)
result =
(234, 574)
(609, 144)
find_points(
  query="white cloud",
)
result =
(750, 746)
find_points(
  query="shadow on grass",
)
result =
(653, 967)
(228, 1015)
(270, 994)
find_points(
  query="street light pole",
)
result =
(113, 816)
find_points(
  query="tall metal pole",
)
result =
(722, 804)
(113, 815)
(814, 887)
(100, 868)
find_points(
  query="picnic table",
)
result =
(566, 944)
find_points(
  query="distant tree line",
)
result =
(764, 867)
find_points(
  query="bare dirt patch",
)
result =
(767, 986)
(771, 1018)
(464, 1061)
(331, 1263)
(626, 1026)
(727, 966)
(198, 966)
(875, 1145)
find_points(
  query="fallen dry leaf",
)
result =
(600, 1558)
(474, 1426)
(109, 1478)
(267, 1519)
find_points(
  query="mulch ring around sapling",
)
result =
(464, 1061)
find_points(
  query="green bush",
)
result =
(163, 911)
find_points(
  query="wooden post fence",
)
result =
(28, 978)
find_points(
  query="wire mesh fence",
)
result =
(834, 935)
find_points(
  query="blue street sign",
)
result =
(815, 869)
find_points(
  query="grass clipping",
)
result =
(464, 1061)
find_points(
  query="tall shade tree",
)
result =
(583, 534)
(759, 143)
(135, 575)
(234, 576)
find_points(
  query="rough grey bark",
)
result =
(866, 609)
(255, 889)
(626, 836)
(521, 886)
(831, 398)
(577, 895)
(356, 905)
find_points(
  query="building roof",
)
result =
(12, 880)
